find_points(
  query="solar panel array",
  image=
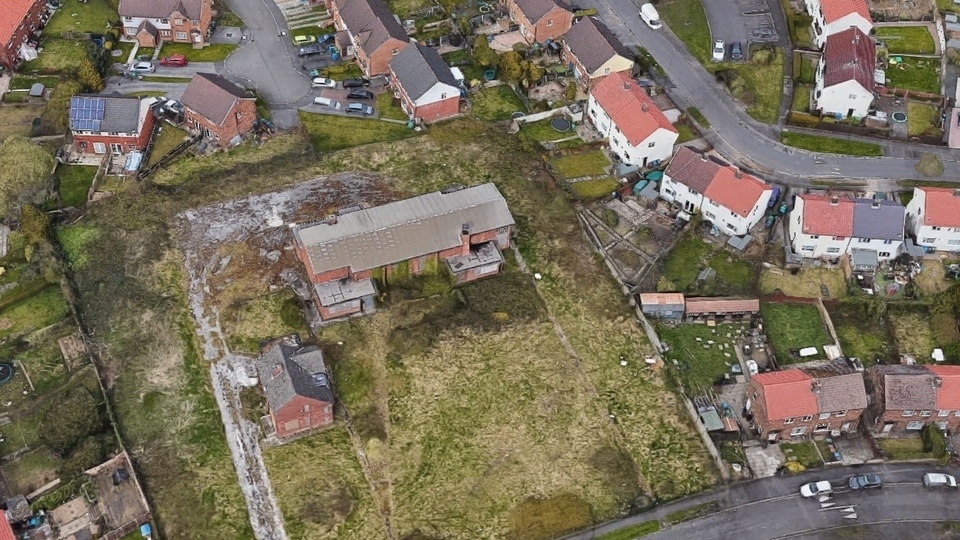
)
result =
(86, 113)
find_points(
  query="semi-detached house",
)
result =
(540, 20)
(426, 86)
(118, 124)
(376, 35)
(835, 16)
(829, 226)
(933, 218)
(593, 52)
(19, 21)
(217, 108)
(731, 199)
(153, 22)
(907, 398)
(637, 130)
(845, 74)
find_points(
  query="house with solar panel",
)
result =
(346, 255)
(117, 125)
(296, 386)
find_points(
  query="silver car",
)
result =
(142, 67)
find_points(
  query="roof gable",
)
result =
(287, 370)
(212, 96)
(941, 206)
(534, 10)
(418, 68)
(827, 215)
(849, 56)
(594, 44)
(834, 10)
(12, 13)
(876, 219)
(161, 9)
(787, 394)
(630, 108)
(370, 22)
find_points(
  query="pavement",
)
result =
(772, 507)
(749, 143)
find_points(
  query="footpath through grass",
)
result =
(829, 145)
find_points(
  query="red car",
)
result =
(178, 60)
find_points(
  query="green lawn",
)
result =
(57, 55)
(74, 181)
(229, 18)
(329, 132)
(596, 188)
(683, 264)
(168, 138)
(497, 103)
(732, 271)
(801, 98)
(905, 448)
(339, 72)
(389, 107)
(808, 71)
(633, 531)
(93, 16)
(805, 453)
(586, 164)
(214, 52)
(923, 119)
(685, 133)
(921, 74)
(794, 326)
(44, 308)
(762, 85)
(820, 143)
(688, 21)
(858, 328)
(24, 83)
(690, 256)
(907, 39)
(541, 130)
(948, 5)
(699, 363)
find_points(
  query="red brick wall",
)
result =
(188, 27)
(231, 127)
(365, 274)
(331, 275)
(900, 422)
(447, 253)
(140, 141)
(10, 45)
(326, 313)
(320, 414)
(544, 29)
(378, 62)
(439, 110)
(758, 407)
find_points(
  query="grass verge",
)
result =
(329, 133)
(389, 107)
(699, 117)
(693, 512)
(763, 77)
(633, 531)
(688, 21)
(829, 145)
(214, 52)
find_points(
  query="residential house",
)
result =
(296, 385)
(636, 129)
(375, 33)
(427, 89)
(6, 531)
(541, 20)
(731, 199)
(593, 52)
(116, 123)
(219, 109)
(798, 403)
(724, 308)
(20, 20)
(906, 398)
(845, 75)
(464, 230)
(154, 22)
(933, 218)
(667, 306)
(834, 16)
(828, 226)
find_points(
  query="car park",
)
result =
(736, 51)
(323, 82)
(142, 67)
(814, 489)
(310, 50)
(356, 82)
(304, 40)
(177, 60)
(719, 50)
(865, 481)
(939, 480)
(359, 108)
(360, 94)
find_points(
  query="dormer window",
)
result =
(164, 21)
(178, 22)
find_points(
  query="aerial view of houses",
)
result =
(525, 269)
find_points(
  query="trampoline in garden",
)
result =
(899, 117)
(490, 74)
(560, 124)
(6, 372)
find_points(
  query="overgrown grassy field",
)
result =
(763, 75)
(57, 55)
(793, 326)
(329, 132)
(168, 138)
(688, 21)
(265, 317)
(700, 363)
(911, 332)
(496, 103)
(691, 255)
(859, 330)
(18, 119)
(805, 284)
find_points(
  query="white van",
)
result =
(939, 480)
(327, 102)
(649, 15)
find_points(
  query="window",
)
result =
(165, 33)
(953, 242)
(131, 147)
(756, 395)
(713, 203)
(943, 413)
(807, 418)
(815, 236)
(395, 51)
(99, 148)
(833, 250)
(863, 240)
(130, 32)
(788, 420)
(839, 238)
(808, 248)
(239, 115)
(164, 21)
(821, 427)
(926, 414)
(651, 145)
(116, 148)
(853, 96)
(824, 416)
(907, 414)
(888, 242)
(841, 413)
(797, 431)
(936, 228)
(916, 425)
(181, 35)
(306, 408)
(443, 95)
(606, 71)
(884, 254)
(731, 227)
(178, 22)
(929, 240)
(128, 18)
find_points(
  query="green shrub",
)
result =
(933, 441)
(72, 418)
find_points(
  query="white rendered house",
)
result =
(826, 227)
(933, 218)
(834, 16)
(845, 75)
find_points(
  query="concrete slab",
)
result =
(505, 42)
(227, 34)
(764, 462)
(854, 450)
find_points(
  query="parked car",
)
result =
(356, 82)
(360, 94)
(649, 15)
(177, 60)
(736, 51)
(310, 49)
(816, 488)
(719, 50)
(865, 481)
(359, 108)
(327, 102)
(939, 480)
(323, 82)
(752, 367)
(304, 40)
(142, 67)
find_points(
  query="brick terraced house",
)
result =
(540, 20)
(219, 109)
(427, 89)
(906, 398)
(296, 385)
(19, 21)
(153, 22)
(593, 52)
(116, 124)
(375, 35)
(343, 255)
(804, 402)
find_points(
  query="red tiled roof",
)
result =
(941, 207)
(735, 190)
(12, 13)
(849, 56)
(834, 10)
(948, 395)
(630, 108)
(661, 299)
(695, 306)
(6, 532)
(820, 216)
(787, 394)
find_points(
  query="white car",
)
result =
(719, 50)
(816, 488)
(142, 67)
(939, 480)
(752, 367)
(323, 82)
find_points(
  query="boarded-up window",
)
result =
(292, 425)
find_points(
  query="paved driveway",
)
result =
(188, 70)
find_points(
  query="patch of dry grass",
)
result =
(933, 279)
(17, 119)
(912, 333)
(805, 284)
(247, 324)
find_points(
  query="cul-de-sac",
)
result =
(479, 269)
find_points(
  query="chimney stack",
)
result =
(937, 382)
(815, 387)
(737, 173)
(465, 239)
(626, 85)
(834, 201)
(332, 219)
(643, 107)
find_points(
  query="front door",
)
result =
(888, 427)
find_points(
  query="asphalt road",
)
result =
(737, 136)
(772, 507)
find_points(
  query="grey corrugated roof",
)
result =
(370, 22)
(404, 229)
(594, 44)
(880, 220)
(419, 68)
(287, 370)
(120, 114)
(863, 257)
